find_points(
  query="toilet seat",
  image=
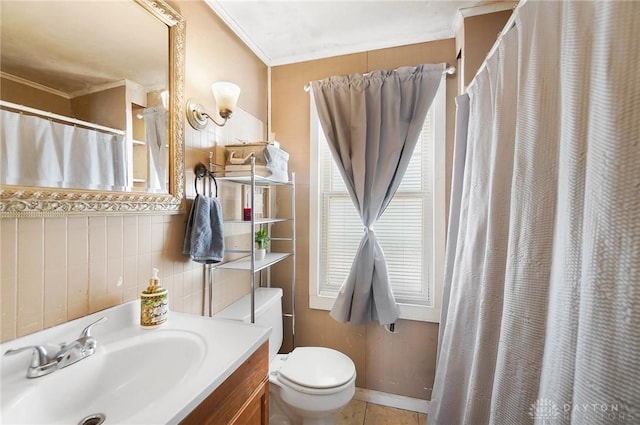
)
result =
(316, 370)
(314, 391)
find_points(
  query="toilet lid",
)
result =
(317, 367)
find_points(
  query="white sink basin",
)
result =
(135, 376)
(115, 381)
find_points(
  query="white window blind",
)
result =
(410, 231)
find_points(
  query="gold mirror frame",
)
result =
(23, 201)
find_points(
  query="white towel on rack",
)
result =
(204, 238)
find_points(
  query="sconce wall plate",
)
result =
(195, 115)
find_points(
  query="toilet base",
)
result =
(278, 413)
(282, 414)
(278, 419)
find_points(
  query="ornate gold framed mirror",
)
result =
(24, 200)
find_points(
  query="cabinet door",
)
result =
(239, 396)
(256, 410)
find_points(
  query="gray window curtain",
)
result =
(372, 123)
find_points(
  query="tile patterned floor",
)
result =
(361, 413)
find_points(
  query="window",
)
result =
(411, 230)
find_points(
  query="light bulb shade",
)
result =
(164, 95)
(226, 95)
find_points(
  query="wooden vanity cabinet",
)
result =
(243, 399)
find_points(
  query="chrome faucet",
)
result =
(43, 364)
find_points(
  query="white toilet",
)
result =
(306, 386)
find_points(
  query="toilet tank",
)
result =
(268, 303)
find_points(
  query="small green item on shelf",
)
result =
(262, 239)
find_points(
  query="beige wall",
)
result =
(19, 93)
(402, 363)
(479, 35)
(57, 269)
(106, 107)
(214, 53)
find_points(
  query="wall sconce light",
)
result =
(226, 97)
(164, 96)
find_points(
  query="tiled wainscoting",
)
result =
(57, 269)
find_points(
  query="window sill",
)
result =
(407, 311)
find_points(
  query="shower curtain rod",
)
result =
(511, 22)
(62, 118)
(450, 70)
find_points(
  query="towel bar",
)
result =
(201, 171)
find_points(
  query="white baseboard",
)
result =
(392, 400)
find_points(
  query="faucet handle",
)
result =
(39, 357)
(41, 363)
(88, 342)
(86, 332)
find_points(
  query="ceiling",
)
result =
(281, 32)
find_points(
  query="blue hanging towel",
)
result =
(204, 238)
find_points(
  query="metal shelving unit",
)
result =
(249, 262)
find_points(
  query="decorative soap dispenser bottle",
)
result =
(154, 304)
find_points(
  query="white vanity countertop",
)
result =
(147, 386)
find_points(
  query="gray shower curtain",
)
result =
(543, 324)
(372, 123)
(457, 178)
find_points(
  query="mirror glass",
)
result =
(89, 95)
